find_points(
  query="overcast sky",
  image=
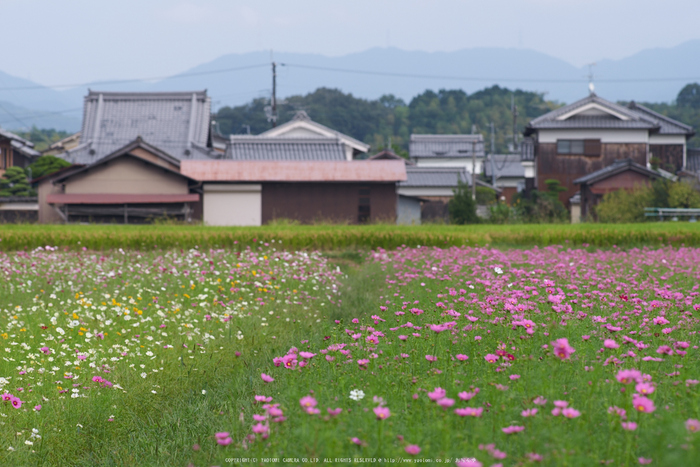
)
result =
(76, 41)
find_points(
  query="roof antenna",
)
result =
(591, 86)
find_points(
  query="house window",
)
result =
(363, 211)
(579, 147)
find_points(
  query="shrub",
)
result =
(46, 165)
(683, 195)
(485, 196)
(540, 207)
(462, 207)
(500, 213)
(14, 183)
(624, 206)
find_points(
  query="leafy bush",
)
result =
(46, 165)
(683, 195)
(462, 207)
(625, 206)
(485, 196)
(501, 213)
(14, 183)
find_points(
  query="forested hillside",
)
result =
(375, 121)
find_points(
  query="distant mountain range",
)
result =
(652, 75)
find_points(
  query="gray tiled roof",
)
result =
(445, 146)
(505, 165)
(435, 177)
(616, 167)
(636, 117)
(667, 126)
(258, 148)
(20, 144)
(171, 121)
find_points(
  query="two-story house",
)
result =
(591, 134)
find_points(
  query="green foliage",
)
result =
(625, 206)
(43, 138)
(554, 186)
(683, 195)
(375, 121)
(462, 207)
(501, 213)
(14, 183)
(485, 196)
(46, 165)
(540, 207)
(689, 97)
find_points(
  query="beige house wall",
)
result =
(47, 214)
(127, 175)
(143, 154)
(233, 204)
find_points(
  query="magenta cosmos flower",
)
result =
(446, 402)
(307, 401)
(16, 402)
(461, 357)
(629, 426)
(611, 344)
(430, 358)
(267, 378)
(437, 394)
(412, 449)
(529, 413)
(512, 429)
(629, 376)
(643, 404)
(468, 463)
(382, 413)
(469, 412)
(562, 349)
(570, 413)
(692, 425)
(491, 358)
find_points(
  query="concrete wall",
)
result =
(127, 175)
(232, 204)
(409, 211)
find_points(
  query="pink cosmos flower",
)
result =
(644, 388)
(467, 462)
(611, 344)
(461, 357)
(334, 412)
(570, 412)
(260, 428)
(382, 413)
(562, 349)
(7, 397)
(446, 402)
(307, 355)
(514, 377)
(465, 396)
(224, 441)
(529, 413)
(491, 358)
(664, 349)
(617, 410)
(267, 378)
(629, 376)
(644, 461)
(412, 449)
(357, 441)
(692, 425)
(643, 404)
(308, 401)
(629, 426)
(263, 399)
(539, 400)
(16, 402)
(534, 457)
(403, 337)
(363, 362)
(561, 404)
(437, 394)
(512, 429)
(312, 410)
(37, 407)
(431, 358)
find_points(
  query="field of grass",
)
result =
(178, 357)
(335, 237)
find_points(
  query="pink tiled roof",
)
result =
(294, 171)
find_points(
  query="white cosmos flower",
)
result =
(357, 394)
(498, 270)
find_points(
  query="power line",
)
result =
(13, 116)
(475, 78)
(120, 81)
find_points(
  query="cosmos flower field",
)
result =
(458, 356)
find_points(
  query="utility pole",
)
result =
(473, 166)
(514, 109)
(274, 94)
(493, 151)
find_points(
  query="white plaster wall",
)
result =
(452, 162)
(605, 136)
(233, 204)
(666, 139)
(425, 191)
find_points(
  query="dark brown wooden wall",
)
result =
(671, 156)
(334, 202)
(567, 168)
